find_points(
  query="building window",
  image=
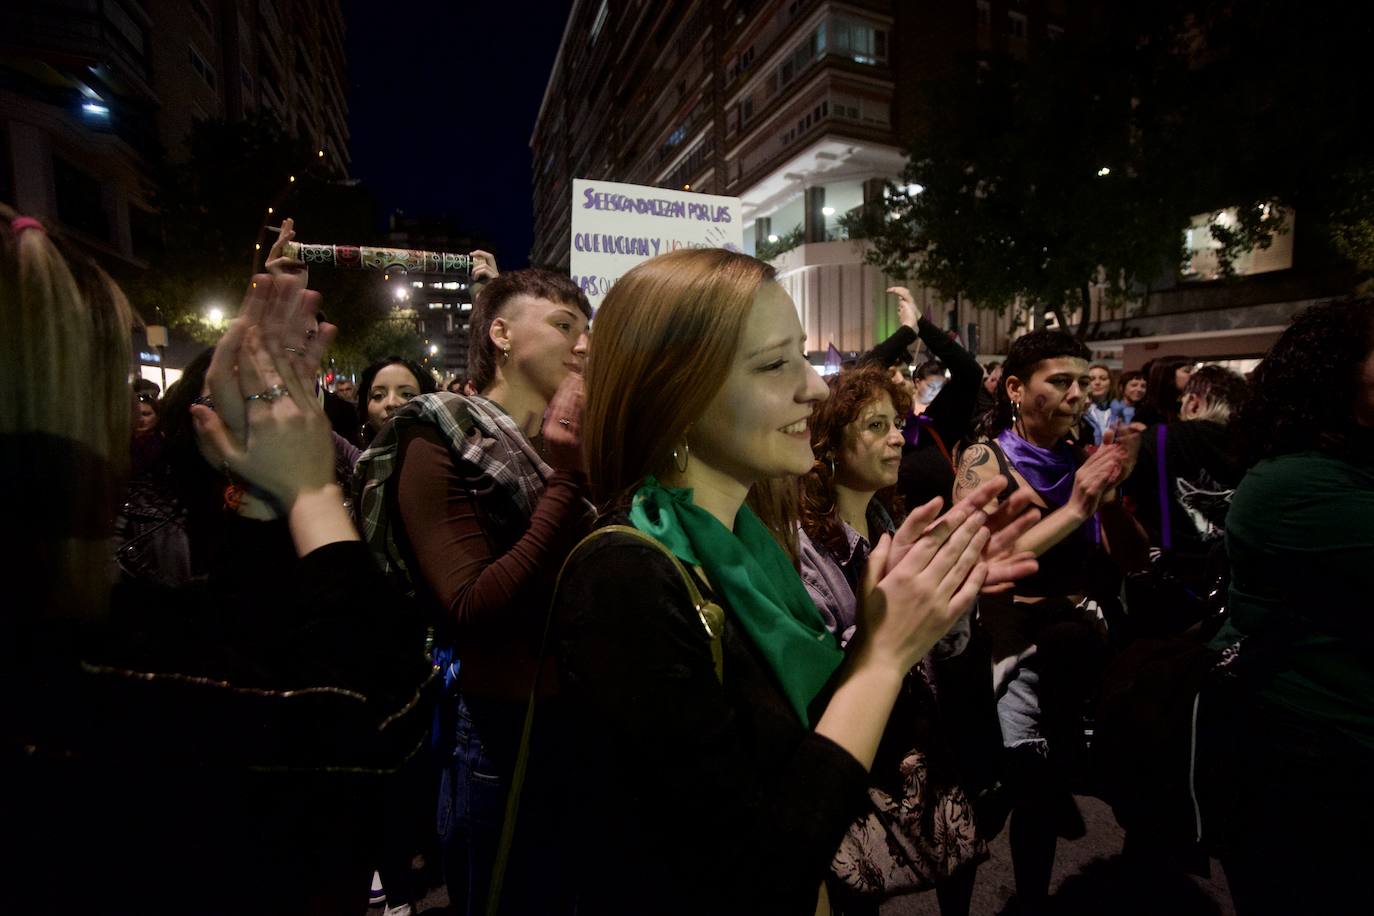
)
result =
(199, 65)
(1016, 24)
(858, 41)
(80, 204)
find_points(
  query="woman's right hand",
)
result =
(279, 444)
(1095, 477)
(563, 425)
(279, 265)
(906, 608)
(907, 312)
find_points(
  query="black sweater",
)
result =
(692, 796)
(211, 749)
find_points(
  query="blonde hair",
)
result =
(64, 359)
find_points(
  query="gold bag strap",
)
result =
(708, 612)
(712, 619)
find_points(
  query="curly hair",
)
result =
(1300, 396)
(850, 391)
(1024, 356)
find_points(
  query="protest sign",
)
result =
(616, 226)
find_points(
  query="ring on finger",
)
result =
(269, 395)
(564, 422)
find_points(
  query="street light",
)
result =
(215, 314)
(433, 349)
(828, 211)
(773, 238)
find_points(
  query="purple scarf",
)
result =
(1048, 471)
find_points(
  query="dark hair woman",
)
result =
(1165, 378)
(385, 387)
(848, 502)
(472, 503)
(1046, 637)
(1293, 735)
(218, 730)
(1130, 394)
(729, 793)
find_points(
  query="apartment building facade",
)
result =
(801, 108)
(94, 92)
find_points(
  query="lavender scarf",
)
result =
(1048, 471)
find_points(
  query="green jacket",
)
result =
(1300, 536)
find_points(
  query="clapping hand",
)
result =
(1006, 523)
(267, 426)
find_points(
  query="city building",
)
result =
(801, 108)
(93, 93)
(798, 107)
(440, 305)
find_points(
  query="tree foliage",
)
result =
(1086, 164)
(213, 211)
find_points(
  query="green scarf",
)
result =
(750, 571)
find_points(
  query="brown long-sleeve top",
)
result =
(489, 580)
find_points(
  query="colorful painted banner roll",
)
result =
(365, 257)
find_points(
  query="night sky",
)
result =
(442, 101)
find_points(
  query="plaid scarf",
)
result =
(478, 433)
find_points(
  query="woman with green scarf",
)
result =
(706, 789)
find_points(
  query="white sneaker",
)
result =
(404, 909)
(376, 896)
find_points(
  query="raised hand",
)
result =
(279, 265)
(484, 266)
(907, 312)
(1095, 477)
(267, 426)
(563, 425)
(909, 603)
(1006, 522)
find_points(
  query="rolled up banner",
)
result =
(366, 257)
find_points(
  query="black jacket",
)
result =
(692, 796)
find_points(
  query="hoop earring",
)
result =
(832, 467)
(680, 461)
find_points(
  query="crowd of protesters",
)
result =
(592, 630)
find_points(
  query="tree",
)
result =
(213, 208)
(1085, 165)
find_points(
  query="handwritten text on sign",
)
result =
(616, 226)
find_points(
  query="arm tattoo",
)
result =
(975, 457)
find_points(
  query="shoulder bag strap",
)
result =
(1166, 527)
(712, 619)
